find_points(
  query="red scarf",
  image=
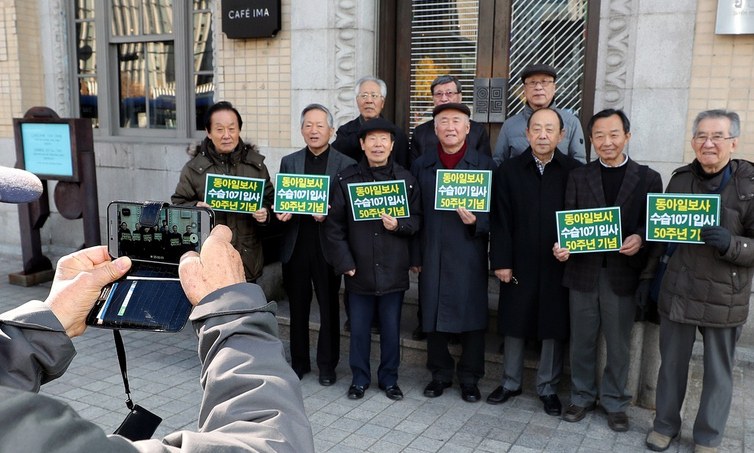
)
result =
(450, 161)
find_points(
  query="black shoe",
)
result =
(617, 421)
(300, 372)
(501, 395)
(418, 334)
(470, 393)
(576, 413)
(393, 392)
(356, 392)
(552, 404)
(435, 388)
(327, 379)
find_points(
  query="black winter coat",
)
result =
(453, 255)
(380, 257)
(523, 231)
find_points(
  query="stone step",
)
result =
(413, 352)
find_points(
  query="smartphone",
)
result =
(155, 236)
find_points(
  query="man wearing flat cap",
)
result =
(451, 253)
(446, 89)
(539, 90)
(373, 256)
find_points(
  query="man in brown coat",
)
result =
(223, 152)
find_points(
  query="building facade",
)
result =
(143, 71)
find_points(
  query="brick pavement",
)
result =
(164, 372)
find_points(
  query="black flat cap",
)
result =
(377, 124)
(538, 69)
(451, 106)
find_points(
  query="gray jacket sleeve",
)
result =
(34, 348)
(252, 399)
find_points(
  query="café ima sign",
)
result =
(244, 19)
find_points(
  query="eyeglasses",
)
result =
(534, 83)
(441, 94)
(702, 139)
(365, 96)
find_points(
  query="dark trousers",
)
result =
(307, 267)
(470, 367)
(362, 308)
(676, 345)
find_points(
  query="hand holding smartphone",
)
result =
(154, 236)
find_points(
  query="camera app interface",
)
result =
(176, 232)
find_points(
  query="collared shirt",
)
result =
(625, 161)
(316, 165)
(541, 164)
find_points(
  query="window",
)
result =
(552, 32)
(150, 73)
(443, 41)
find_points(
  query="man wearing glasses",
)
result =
(539, 90)
(370, 99)
(706, 287)
(446, 89)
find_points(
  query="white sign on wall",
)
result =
(735, 17)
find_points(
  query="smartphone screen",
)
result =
(150, 296)
(176, 230)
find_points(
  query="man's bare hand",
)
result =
(218, 266)
(79, 279)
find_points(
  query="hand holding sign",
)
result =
(389, 222)
(260, 215)
(631, 245)
(716, 236)
(561, 253)
(467, 217)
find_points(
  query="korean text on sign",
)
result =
(302, 194)
(234, 193)
(680, 217)
(371, 199)
(590, 230)
(468, 189)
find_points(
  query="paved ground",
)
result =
(164, 371)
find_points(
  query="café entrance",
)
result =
(485, 44)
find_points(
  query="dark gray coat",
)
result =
(702, 286)
(453, 256)
(294, 163)
(523, 231)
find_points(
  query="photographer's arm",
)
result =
(251, 397)
(35, 345)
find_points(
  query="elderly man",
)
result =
(446, 89)
(602, 285)
(302, 252)
(527, 190)
(223, 152)
(370, 99)
(452, 260)
(374, 257)
(706, 287)
(539, 90)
